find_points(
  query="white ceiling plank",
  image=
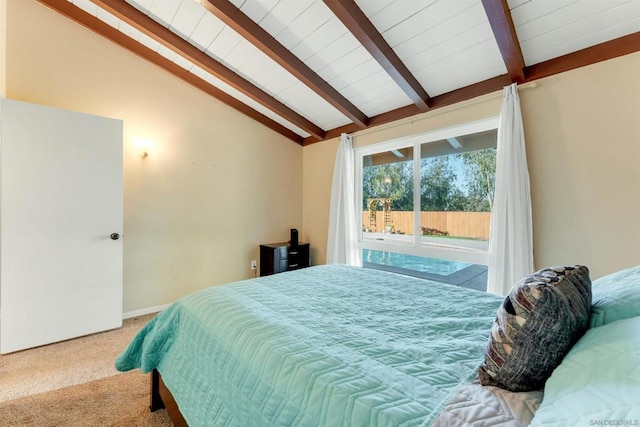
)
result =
(435, 34)
(516, 3)
(108, 18)
(595, 29)
(240, 54)
(148, 42)
(282, 14)
(224, 43)
(349, 76)
(568, 15)
(399, 11)
(187, 18)
(267, 75)
(333, 52)
(475, 42)
(577, 27)
(87, 6)
(257, 9)
(458, 61)
(379, 81)
(309, 104)
(383, 103)
(206, 31)
(371, 7)
(129, 30)
(464, 69)
(534, 10)
(330, 31)
(384, 97)
(358, 64)
(304, 24)
(142, 5)
(166, 52)
(163, 11)
(437, 23)
(199, 72)
(182, 62)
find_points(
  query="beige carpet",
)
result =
(119, 400)
(75, 383)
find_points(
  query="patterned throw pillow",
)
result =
(539, 321)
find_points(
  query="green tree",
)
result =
(438, 191)
(480, 172)
(391, 180)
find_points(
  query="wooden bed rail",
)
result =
(162, 398)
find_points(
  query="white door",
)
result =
(61, 200)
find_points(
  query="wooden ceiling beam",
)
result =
(101, 28)
(504, 31)
(256, 35)
(361, 27)
(132, 16)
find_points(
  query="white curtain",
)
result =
(342, 242)
(511, 235)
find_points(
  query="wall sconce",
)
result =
(144, 146)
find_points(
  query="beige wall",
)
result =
(317, 167)
(583, 147)
(217, 183)
(3, 46)
(582, 130)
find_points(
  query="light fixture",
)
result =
(144, 147)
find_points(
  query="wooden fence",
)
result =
(473, 225)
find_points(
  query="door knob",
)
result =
(115, 236)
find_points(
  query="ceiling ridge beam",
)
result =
(505, 34)
(259, 37)
(110, 33)
(368, 35)
(132, 16)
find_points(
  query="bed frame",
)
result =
(162, 398)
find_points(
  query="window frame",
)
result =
(469, 252)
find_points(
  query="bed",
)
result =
(337, 345)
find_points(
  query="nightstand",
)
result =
(279, 257)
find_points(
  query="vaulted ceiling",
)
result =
(312, 69)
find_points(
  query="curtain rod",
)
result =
(448, 108)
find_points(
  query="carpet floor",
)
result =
(75, 383)
(119, 400)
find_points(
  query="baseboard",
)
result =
(144, 311)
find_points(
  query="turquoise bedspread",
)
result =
(328, 345)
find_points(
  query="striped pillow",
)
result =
(539, 321)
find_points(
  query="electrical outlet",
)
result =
(254, 265)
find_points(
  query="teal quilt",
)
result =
(329, 345)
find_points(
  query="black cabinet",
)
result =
(279, 257)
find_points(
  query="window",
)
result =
(430, 194)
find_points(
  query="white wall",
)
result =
(217, 183)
